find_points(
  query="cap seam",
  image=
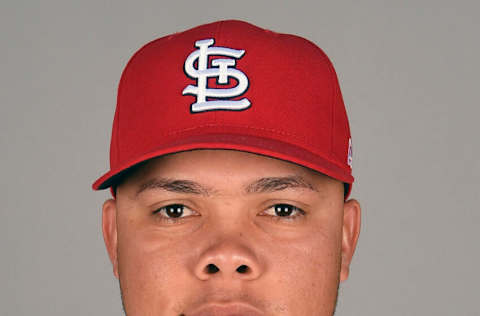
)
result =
(332, 108)
(217, 38)
(303, 143)
(120, 89)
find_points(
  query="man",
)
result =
(230, 171)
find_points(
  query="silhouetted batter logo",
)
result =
(222, 69)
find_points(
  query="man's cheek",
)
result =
(148, 273)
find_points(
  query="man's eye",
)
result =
(172, 212)
(284, 212)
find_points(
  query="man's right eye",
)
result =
(172, 213)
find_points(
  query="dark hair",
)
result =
(125, 174)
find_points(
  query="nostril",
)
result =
(242, 269)
(211, 268)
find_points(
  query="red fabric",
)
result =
(296, 113)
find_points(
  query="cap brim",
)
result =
(253, 144)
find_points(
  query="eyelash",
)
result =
(300, 213)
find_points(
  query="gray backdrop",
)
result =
(409, 72)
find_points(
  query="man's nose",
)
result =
(229, 259)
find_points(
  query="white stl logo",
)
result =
(223, 68)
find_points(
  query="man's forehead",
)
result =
(174, 173)
(259, 185)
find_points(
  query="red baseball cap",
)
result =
(231, 85)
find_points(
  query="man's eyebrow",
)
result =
(174, 185)
(262, 185)
(271, 184)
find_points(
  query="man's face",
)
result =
(209, 228)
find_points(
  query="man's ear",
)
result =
(109, 227)
(351, 231)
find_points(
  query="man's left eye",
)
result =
(284, 211)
